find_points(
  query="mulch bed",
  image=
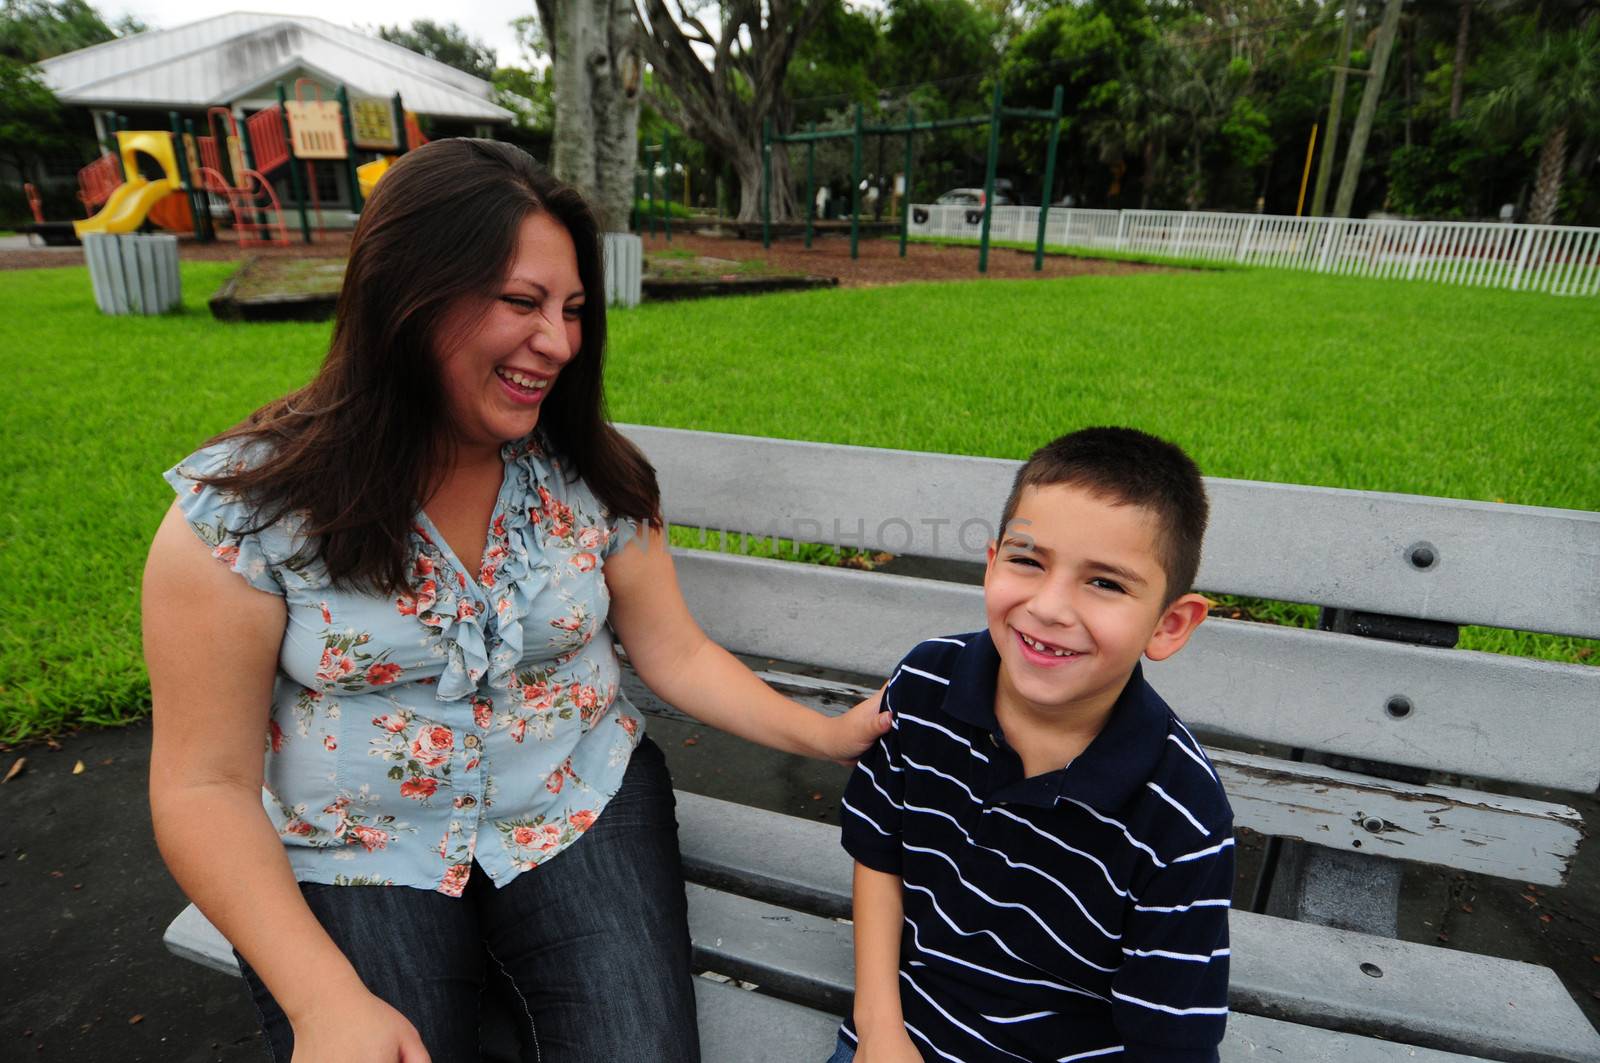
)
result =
(880, 261)
(333, 244)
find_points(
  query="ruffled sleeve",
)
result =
(623, 530)
(221, 518)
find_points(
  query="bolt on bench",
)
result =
(1366, 725)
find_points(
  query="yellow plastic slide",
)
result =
(126, 209)
(367, 174)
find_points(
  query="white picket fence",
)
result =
(1559, 259)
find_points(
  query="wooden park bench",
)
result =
(1354, 748)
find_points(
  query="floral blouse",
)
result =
(477, 717)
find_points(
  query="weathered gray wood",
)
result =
(719, 839)
(1473, 713)
(738, 1026)
(192, 937)
(790, 952)
(788, 1032)
(1419, 994)
(1254, 1039)
(1521, 567)
(1486, 833)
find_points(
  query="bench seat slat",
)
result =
(1477, 714)
(1454, 1001)
(1522, 567)
(738, 1026)
(1486, 833)
(795, 954)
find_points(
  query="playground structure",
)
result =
(130, 202)
(142, 180)
(656, 156)
(998, 112)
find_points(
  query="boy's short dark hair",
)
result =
(1132, 468)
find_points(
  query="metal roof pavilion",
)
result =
(223, 60)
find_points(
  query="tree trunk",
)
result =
(1547, 186)
(598, 72)
(1458, 73)
(1405, 80)
(1330, 142)
(747, 166)
(1369, 109)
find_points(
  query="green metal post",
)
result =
(811, 167)
(988, 182)
(185, 178)
(766, 184)
(905, 200)
(666, 183)
(249, 146)
(650, 184)
(855, 186)
(1049, 179)
(199, 203)
(350, 149)
(294, 170)
(399, 126)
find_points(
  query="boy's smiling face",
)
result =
(1075, 593)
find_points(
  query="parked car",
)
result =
(973, 197)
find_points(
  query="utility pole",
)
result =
(1330, 144)
(1458, 74)
(1369, 108)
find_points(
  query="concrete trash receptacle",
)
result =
(624, 259)
(133, 274)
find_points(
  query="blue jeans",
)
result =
(843, 1052)
(584, 959)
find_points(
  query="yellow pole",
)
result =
(1310, 149)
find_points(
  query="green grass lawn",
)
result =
(1261, 375)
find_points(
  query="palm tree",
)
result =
(1546, 85)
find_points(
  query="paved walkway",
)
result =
(85, 899)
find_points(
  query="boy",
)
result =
(1044, 856)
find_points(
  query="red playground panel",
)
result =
(97, 181)
(266, 139)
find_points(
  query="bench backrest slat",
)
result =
(1473, 713)
(1486, 833)
(1504, 566)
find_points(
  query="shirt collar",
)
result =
(1106, 774)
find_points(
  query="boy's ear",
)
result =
(1177, 623)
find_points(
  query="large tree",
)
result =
(1546, 88)
(723, 84)
(33, 30)
(597, 74)
(445, 42)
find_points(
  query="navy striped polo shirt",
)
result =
(1077, 914)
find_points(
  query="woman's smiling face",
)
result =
(499, 355)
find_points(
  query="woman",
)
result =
(451, 781)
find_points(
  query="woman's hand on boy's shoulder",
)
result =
(848, 736)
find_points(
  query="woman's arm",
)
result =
(685, 668)
(878, 911)
(211, 644)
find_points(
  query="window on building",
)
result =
(328, 183)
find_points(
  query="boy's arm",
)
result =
(879, 913)
(1170, 997)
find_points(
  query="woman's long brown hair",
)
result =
(355, 450)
